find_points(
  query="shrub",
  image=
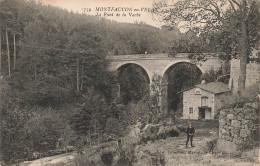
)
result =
(84, 161)
(157, 132)
(211, 146)
(113, 127)
(247, 145)
(43, 131)
(107, 158)
(126, 158)
(158, 159)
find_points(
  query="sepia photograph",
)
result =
(129, 82)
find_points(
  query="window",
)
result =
(204, 101)
(191, 110)
(197, 91)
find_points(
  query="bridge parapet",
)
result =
(158, 56)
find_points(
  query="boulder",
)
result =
(230, 116)
(237, 141)
(222, 122)
(251, 116)
(236, 123)
(244, 133)
(235, 131)
(251, 125)
(244, 121)
(240, 116)
(252, 105)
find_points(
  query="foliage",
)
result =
(107, 158)
(158, 159)
(134, 83)
(113, 126)
(180, 77)
(156, 132)
(190, 43)
(128, 115)
(233, 24)
(126, 158)
(12, 120)
(90, 118)
(43, 131)
(68, 137)
(210, 146)
(247, 145)
(236, 100)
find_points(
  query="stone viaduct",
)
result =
(160, 64)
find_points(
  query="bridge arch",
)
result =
(167, 97)
(176, 62)
(147, 72)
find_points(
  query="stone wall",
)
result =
(237, 125)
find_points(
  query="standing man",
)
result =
(190, 132)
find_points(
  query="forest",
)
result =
(55, 88)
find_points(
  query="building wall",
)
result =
(190, 99)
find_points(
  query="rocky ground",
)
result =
(175, 153)
(169, 152)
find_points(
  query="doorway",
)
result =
(201, 113)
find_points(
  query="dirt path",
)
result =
(176, 153)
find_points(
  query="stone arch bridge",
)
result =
(159, 64)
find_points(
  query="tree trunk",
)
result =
(82, 71)
(243, 52)
(0, 51)
(8, 52)
(77, 74)
(14, 53)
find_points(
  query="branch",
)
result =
(217, 14)
(216, 7)
(236, 3)
(232, 5)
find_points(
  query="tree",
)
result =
(134, 83)
(90, 118)
(232, 16)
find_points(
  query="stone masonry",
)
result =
(237, 125)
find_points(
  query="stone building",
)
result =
(203, 100)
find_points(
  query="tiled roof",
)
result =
(214, 87)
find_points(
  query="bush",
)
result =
(211, 146)
(127, 158)
(43, 131)
(113, 127)
(157, 132)
(247, 145)
(158, 159)
(107, 158)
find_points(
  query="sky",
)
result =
(120, 10)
